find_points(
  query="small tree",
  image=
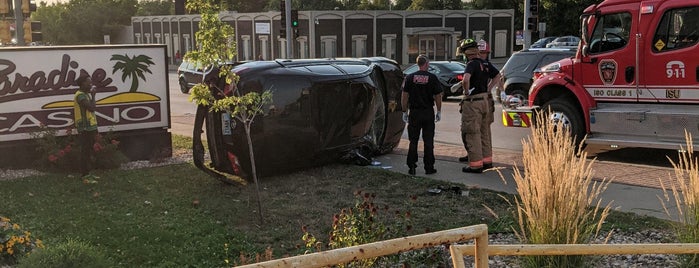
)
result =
(216, 47)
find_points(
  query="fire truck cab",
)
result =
(634, 81)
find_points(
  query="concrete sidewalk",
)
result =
(624, 192)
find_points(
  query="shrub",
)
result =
(15, 242)
(62, 152)
(364, 223)
(556, 192)
(685, 192)
(69, 254)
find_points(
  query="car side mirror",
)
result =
(586, 55)
(585, 51)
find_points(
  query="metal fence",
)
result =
(481, 250)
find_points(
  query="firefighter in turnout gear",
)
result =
(476, 109)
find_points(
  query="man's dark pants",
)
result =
(87, 140)
(421, 121)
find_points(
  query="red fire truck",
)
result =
(634, 81)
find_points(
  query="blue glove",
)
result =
(438, 116)
(405, 117)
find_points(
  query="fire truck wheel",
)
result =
(564, 112)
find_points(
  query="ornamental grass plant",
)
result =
(558, 201)
(684, 187)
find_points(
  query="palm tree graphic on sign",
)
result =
(132, 68)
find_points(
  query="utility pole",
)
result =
(19, 23)
(289, 33)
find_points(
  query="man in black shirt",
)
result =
(421, 92)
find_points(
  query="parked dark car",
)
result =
(323, 111)
(448, 72)
(542, 42)
(519, 68)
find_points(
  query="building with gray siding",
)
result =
(399, 35)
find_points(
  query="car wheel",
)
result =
(563, 112)
(183, 86)
(518, 91)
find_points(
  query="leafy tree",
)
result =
(435, 5)
(215, 47)
(350, 4)
(563, 17)
(452, 4)
(244, 5)
(84, 21)
(402, 4)
(273, 5)
(374, 5)
(51, 18)
(155, 8)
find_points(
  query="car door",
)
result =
(609, 67)
(671, 63)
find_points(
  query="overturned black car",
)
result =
(323, 110)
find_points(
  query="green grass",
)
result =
(176, 216)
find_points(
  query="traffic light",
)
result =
(27, 26)
(36, 31)
(294, 18)
(296, 33)
(282, 8)
(534, 7)
(4, 6)
(5, 36)
(532, 24)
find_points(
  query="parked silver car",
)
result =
(568, 41)
(542, 42)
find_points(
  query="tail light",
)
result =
(460, 77)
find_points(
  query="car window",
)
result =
(434, 70)
(353, 68)
(519, 62)
(411, 69)
(611, 32)
(454, 66)
(547, 59)
(678, 28)
(320, 69)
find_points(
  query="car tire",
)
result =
(519, 91)
(183, 86)
(562, 110)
